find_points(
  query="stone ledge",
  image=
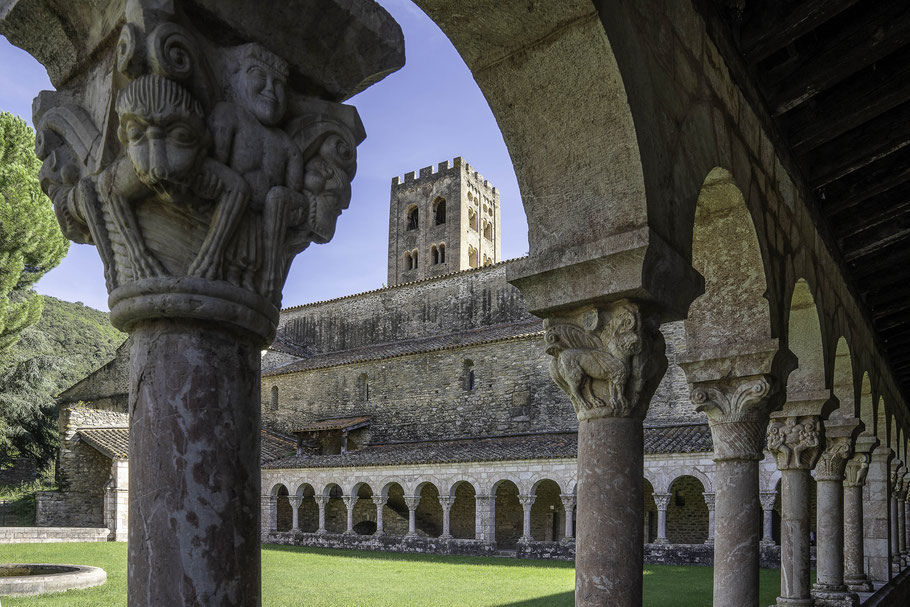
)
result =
(37, 535)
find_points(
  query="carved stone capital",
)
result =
(833, 460)
(295, 500)
(350, 501)
(737, 411)
(662, 500)
(412, 501)
(709, 500)
(609, 359)
(526, 501)
(568, 501)
(446, 501)
(796, 442)
(200, 170)
(767, 499)
(857, 469)
(380, 500)
(321, 500)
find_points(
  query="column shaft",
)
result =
(854, 560)
(380, 503)
(830, 532)
(768, 526)
(794, 566)
(321, 501)
(736, 533)
(609, 544)
(446, 521)
(194, 465)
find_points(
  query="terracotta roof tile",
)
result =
(341, 423)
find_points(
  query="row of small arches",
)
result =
(437, 256)
(412, 215)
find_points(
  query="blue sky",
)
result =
(429, 111)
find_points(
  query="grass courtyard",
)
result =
(339, 578)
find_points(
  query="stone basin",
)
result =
(22, 579)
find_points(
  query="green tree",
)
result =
(30, 240)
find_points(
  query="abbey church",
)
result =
(421, 416)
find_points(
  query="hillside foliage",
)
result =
(68, 342)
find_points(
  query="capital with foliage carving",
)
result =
(737, 411)
(833, 461)
(609, 359)
(412, 501)
(767, 499)
(199, 169)
(568, 501)
(709, 500)
(796, 442)
(662, 500)
(295, 501)
(350, 501)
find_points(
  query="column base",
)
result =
(446, 536)
(322, 532)
(349, 533)
(525, 540)
(567, 541)
(661, 540)
(378, 533)
(785, 602)
(768, 543)
(709, 542)
(834, 598)
(859, 584)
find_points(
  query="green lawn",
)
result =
(338, 578)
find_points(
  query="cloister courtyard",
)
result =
(340, 578)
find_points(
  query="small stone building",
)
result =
(420, 416)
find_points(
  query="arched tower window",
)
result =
(488, 230)
(472, 257)
(472, 219)
(439, 211)
(414, 257)
(274, 401)
(469, 379)
(442, 253)
(434, 252)
(413, 218)
(408, 261)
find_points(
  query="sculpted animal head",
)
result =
(164, 133)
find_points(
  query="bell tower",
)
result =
(442, 222)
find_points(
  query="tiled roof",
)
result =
(112, 442)
(472, 337)
(563, 445)
(115, 443)
(341, 423)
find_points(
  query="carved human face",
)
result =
(262, 92)
(164, 150)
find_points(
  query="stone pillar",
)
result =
(270, 507)
(412, 502)
(893, 516)
(484, 523)
(797, 443)
(709, 502)
(876, 513)
(738, 412)
(198, 187)
(295, 501)
(446, 503)
(526, 501)
(902, 521)
(568, 503)
(350, 501)
(854, 479)
(830, 589)
(379, 501)
(907, 526)
(321, 501)
(768, 498)
(662, 500)
(609, 360)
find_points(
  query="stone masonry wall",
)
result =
(687, 514)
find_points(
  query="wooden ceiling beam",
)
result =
(884, 29)
(860, 147)
(863, 97)
(871, 241)
(759, 40)
(875, 179)
(877, 210)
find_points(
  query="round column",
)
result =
(446, 503)
(568, 504)
(412, 502)
(854, 561)
(321, 501)
(379, 501)
(710, 503)
(662, 501)
(768, 498)
(295, 501)
(350, 501)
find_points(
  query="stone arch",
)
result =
(273, 400)
(276, 487)
(408, 261)
(412, 217)
(507, 478)
(881, 423)
(733, 314)
(687, 513)
(442, 252)
(429, 510)
(694, 472)
(866, 413)
(842, 381)
(395, 511)
(336, 512)
(507, 513)
(536, 481)
(308, 511)
(547, 511)
(804, 338)
(651, 478)
(773, 481)
(463, 513)
(434, 255)
(364, 509)
(283, 512)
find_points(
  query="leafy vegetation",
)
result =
(30, 240)
(68, 342)
(343, 578)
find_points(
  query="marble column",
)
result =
(484, 523)
(527, 502)
(350, 501)
(768, 498)
(321, 501)
(797, 443)
(709, 502)
(446, 503)
(568, 504)
(854, 478)
(829, 589)
(379, 501)
(609, 359)
(412, 501)
(876, 516)
(737, 411)
(662, 501)
(295, 501)
(155, 152)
